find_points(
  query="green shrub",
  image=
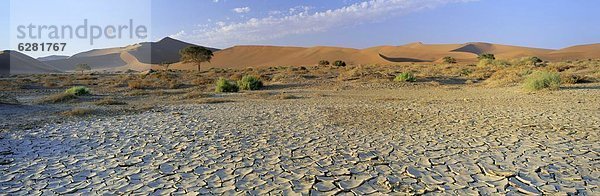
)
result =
(530, 61)
(542, 80)
(323, 62)
(224, 85)
(250, 83)
(78, 91)
(339, 63)
(486, 56)
(405, 77)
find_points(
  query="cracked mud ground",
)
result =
(433, 141)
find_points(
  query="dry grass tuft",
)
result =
(213, 101)
(79, 112)
(59, 98)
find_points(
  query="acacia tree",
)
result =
(339, 63)
(165, 65)
(195, 54)
(82, 67)
(323, 62)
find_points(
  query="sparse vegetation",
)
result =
(250, 83)
(570, 78)
(542, 80)
(323, 62)
(78, 91)
(213, 101)
(79, 112)
(405, 77)
(449, 60)
(224, 86)
(59, 98)
(339, 63)
(486, 56)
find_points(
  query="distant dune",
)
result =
(13, 62)
(589, 51)
(138, 57)
(260, 56)
(52, 58)
(148, 55)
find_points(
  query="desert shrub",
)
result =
(493, 62)
(213, 101)
(449, 60)
(48, 83)
(485, 62)
(405, 77)
(529, 61)
(339, 63)
(78, 91)
(542, 80)
(250, 83)
(135, 84)
(59, 98)
(224, 85)
(466, 72)
(486, 56)
(507, 77)
(323, 62)
(174, 84)
(570, 78)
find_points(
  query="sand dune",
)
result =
(148, 55)
(502, 51)
(136, 57)
(260, 56)
(589, 51)
(13, 62)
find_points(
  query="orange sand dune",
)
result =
(259, 56)
(589, 51)
(148, 55)
(502, 51)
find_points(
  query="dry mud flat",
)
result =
(428, 141)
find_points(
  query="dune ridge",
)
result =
(147, 55)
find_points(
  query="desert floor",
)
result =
(455, 139)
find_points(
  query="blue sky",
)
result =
(347, 23)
